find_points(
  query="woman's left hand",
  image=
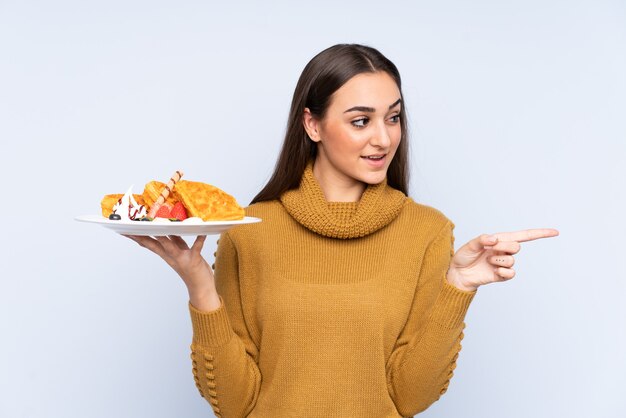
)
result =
(482, 261)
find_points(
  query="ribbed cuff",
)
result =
(211, 329)
(452, 305)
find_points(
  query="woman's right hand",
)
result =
(189, 264)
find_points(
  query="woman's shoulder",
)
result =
(271, 214)
(261, 206)
(259, 209)
(425, 215)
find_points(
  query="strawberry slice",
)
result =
(164, 211)
(179, 212)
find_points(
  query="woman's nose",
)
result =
(381, 137)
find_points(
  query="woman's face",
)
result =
(360, 133)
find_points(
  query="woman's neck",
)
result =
(337, 187)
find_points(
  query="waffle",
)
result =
(208, 202)
(151, 193)
(108, 201)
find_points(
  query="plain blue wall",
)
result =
(517, 120)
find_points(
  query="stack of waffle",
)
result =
(199, 199)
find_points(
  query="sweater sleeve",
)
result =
(423, 359)
(224, 356)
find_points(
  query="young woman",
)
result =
(348, 299)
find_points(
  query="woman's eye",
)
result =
(396, 118)
(360, 123)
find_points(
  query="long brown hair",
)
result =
(322, 76)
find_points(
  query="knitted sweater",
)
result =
(331, 309)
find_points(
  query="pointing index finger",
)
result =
(527, 234)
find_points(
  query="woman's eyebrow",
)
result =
(370, 109)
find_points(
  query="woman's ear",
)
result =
(311, 125)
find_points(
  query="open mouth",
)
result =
(374, 157)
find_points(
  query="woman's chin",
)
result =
(374, 178)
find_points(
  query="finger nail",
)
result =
(492, 238)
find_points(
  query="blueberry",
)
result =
(115, 217)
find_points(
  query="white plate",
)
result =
(170, 228)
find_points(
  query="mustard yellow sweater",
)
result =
(331, 309)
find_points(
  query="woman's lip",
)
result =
(376, 163)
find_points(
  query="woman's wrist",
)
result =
(206, 300)
(454, 279)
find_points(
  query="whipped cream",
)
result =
(128, 208)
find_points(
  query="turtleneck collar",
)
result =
(378, 206)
